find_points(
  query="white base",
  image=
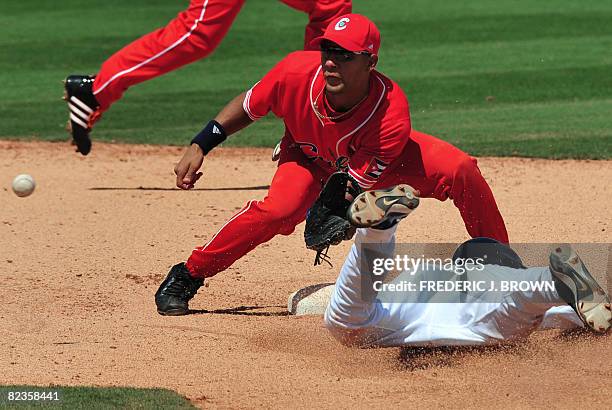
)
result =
(311, 300)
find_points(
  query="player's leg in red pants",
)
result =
(294, 188)
(192, 35)
(440, 170)
(320, 14)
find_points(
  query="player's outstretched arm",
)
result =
(230, 119)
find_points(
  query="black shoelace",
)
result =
(322, 256)
(181, 287)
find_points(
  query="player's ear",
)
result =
(373, 61)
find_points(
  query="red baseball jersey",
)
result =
(365, 141)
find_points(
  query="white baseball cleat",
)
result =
(579, 289)
(382, 206)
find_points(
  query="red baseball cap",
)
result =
(353, 32)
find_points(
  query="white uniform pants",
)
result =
(356, 321)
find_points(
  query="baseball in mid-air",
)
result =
(23, 185)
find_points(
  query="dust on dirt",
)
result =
(83, 256)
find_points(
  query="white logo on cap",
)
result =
(341, 25)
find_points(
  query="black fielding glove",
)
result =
(326, 222)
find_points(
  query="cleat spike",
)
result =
(382, 208)
(586, 296)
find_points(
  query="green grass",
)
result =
(97, 398)
(512, 77)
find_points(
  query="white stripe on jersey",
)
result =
(311, 100)
(363, 177)
(360, 180)
(246, 105)
(367, 119)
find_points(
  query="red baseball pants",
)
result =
(434, 167)
(442, 171)
(192, 35)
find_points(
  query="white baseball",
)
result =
(23, 185)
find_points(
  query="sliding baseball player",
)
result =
(493, 299)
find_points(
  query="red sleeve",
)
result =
(266, 95)
(375, 155)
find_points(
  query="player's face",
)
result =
(344, 70)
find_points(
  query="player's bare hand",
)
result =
(187, 169)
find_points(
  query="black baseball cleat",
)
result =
(382, 208)
(579, 289)
(176, 291)
(82, 105)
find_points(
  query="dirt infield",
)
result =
(83, 256)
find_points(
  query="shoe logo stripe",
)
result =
(78, 120)
(78, 112)
(81, 104)
(386, 202)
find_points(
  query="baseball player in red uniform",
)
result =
(340, 113)
(192, 35)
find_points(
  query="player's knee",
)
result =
(281, 214)
(204, 41)
(352, 337)
(326, 11)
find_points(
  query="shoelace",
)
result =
(322, 256)
(180, 287)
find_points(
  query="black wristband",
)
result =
(211, 136)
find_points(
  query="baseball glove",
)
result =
(326, 222)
